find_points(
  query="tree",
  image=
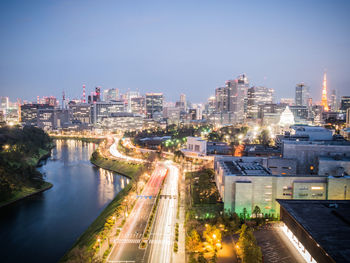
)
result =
(264, 138)
(212, 236)
(193, 242)
(244, 213)
(247, 248)
(256, 211)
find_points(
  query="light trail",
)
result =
(162, 236)
(135, 219)
(114, 151)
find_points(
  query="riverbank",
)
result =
(86, 243)
(22, 150)
(26, 192)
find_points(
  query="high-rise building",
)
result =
(324, 94)
(4, 103)
(29, 112)
(258, 96)
(333, 102)
(98, 93)
(81, 113)
(138, 105)
(100, 110)
(302, 94)
(233, 97)
(110, 94)
(344, 103)
(128, 97)
(154, 104)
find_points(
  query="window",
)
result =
(317, 195)
(303, 195)
(272, 167)
(303, 188)
(316, 188)
(288, 168)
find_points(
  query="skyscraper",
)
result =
(302, 94)
(233, 97)
(333, 102)
(324, 102)
(258, 96)
(154, 104)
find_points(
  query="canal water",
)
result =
(43, 227)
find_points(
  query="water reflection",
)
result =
(49, 223)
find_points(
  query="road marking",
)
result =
(128, 241)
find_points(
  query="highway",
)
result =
(160, 247)
(126, 245)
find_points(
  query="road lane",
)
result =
(127, 243)
(160, 247)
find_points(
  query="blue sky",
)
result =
(174, 47)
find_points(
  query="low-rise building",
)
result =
(123, 121)
(244, 182)
(319, 229)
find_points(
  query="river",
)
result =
(43, 227)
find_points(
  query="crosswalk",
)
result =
(130, 236)
(137, 241)
(128, 241)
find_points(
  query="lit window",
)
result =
(316, 188)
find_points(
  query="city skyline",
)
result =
(147, 47)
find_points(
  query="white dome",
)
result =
(287, 118)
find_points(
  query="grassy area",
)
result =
(87, 240)
(25, 192)
(128, 169)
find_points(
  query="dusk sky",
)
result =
(174, 47)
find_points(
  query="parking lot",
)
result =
(276, 248)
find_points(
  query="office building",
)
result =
(154, 104)
(287, 101)
(333, 101)
(258, 96)
(345, 103)
(302, 94)
(100, 110)
(233, 98)
(172, 115)
(81, 113)
(29, 113)
(301, 113)
(138, 105)
(307, 153)
(244, 182)
(122, 121)
(4, 103)
(110, 94)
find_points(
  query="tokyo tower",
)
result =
(324, 102)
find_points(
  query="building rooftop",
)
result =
(327, 221)
(341, 143)
(246, 168)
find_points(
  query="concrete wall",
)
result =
(307, 154)
(329, 166)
